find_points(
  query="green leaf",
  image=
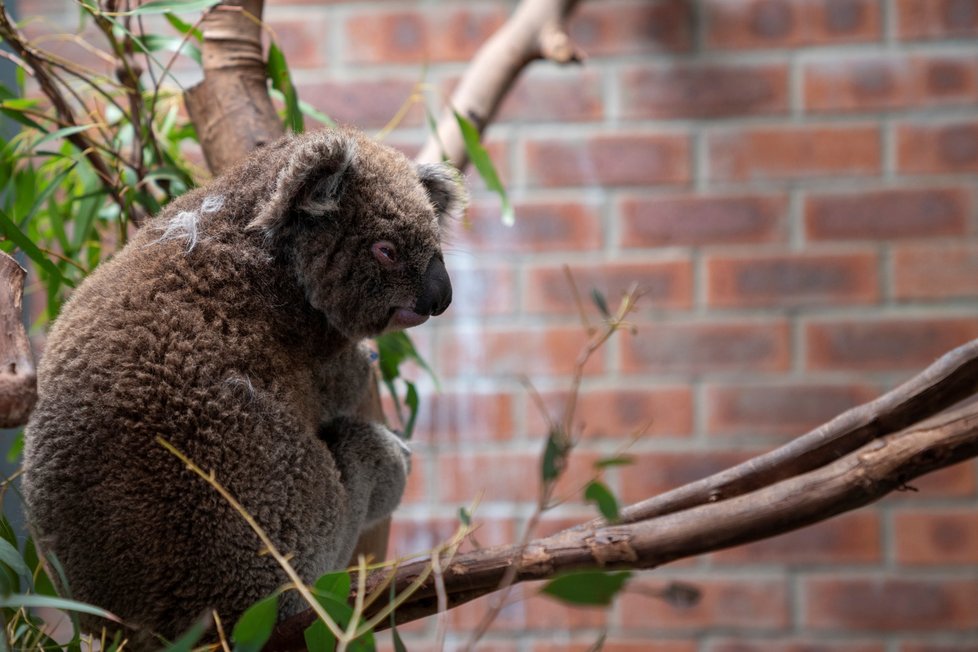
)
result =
(157, 42)
(600, 302)
(589, 588)
(395, 348)
(464, 516)
(412, 402)
(12, 233)
(278, 73)
(189, 639)
(555, 454)
(16, 447)
(483, 164)
(336, 584)
(617, 460)
(184, 28)
(599, 494)
(164, 6)
(62, 133)
(10, 556)
(18, 600)
(255, 625)
(306, 108)
(396, 640)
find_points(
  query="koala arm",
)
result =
(344, 382)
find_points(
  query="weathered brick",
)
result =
(702, 347)
(871, 604)
(938, 148)
(663, 284)
(618, 159)
(937, 536)
(936, 272)
(888, 214)
(561, 95)
(515, 476)
(480, 291)
(703, 90)
(732, 604)
(695, 220)
(655, 473)
(300, 37)
(529, 612)
(805, 279)
(539, 352)
(640, 644)
(936, 18)
(957, 481)
(413, 535)
(767, 644)
(790, 23)
(853, 538)
(884, 344)
(411, 36)
(615, 27)
(938, 647)
(878, 83)
(621, 413)
(573, 225)
(464, 416)
(363, 102)
(781, 410)
(794, 152)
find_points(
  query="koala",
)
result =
(231, 326)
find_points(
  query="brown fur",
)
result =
(230, 326)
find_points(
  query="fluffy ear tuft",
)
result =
(445, 189)
(311, 181)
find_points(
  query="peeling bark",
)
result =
(18, 380)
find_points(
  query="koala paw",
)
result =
(395, 442)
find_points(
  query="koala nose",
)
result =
(436, 289)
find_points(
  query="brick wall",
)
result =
(793, 184)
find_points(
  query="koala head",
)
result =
(360, 226)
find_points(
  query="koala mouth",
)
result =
(406, 318)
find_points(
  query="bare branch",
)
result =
(18, 381)
(534, 31)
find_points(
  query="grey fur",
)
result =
(236, 338)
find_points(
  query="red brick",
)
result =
(411, 536)
(938, 148)
(781, 410)
(561, 95)
(888, 214)
(794, 152)
(938, 647)
(404, 36)
(615, 27)
(873, 604)
(535, 353)
(731, 604)
(884, 344)
(415, 493)
(695, 220)
(464, 417)
(937, 536)
(655, 473)
(698, 347)
(621, 413)
(618, 159)
(528, 612)
(936, 272)
(663, 284)
(612, 644)
(792, 280)
(936, 18)
(363, 102)
(790, 23)
(790, 645)
(480, 291)
(958, 481)
(508, 476)
(853, 538)
(878, 83)
(301, 37)
(703, 90)
(540, 226)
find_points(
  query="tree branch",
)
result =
(534, 31)
(18, 381)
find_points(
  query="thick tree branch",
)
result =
(18, 382)
(849, 462)
(534, 31)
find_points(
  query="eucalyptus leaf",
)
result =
(278, 74)
(587, 588)
(10, 556)
(598, 493)
(483, 164)
(19, 600)
(255, 625)
(174, 6)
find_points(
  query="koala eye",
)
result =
(384, 252)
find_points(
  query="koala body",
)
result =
(230, 326)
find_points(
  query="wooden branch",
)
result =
(534, 31)
(231, 107)
(18, 381)
(849, 462)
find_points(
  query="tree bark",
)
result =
(18, 380)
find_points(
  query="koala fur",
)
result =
(231, 327)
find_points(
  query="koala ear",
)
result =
(311, 181)
(444, 187)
